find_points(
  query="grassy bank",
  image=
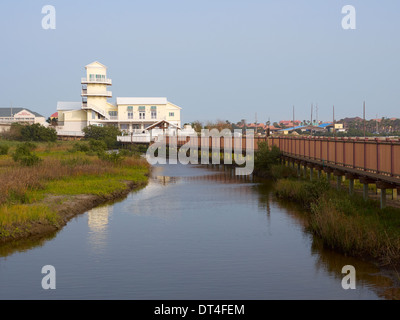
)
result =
(64, 182)
(346, 223)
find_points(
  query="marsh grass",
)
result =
(61, 172)
(346, 223)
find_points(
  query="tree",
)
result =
(197, 126)
(219, 125)
(37, 132)
(108, 134)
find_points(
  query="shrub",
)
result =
(37, 132)
(265, 158)
(97, 145)
(113, 157)
(4, 149)
(80, 147)
(23, 154)
(107, 134)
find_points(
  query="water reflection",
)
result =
(98, 219)
(194, 232)
(164, 180)
(385, 282)
(23, 245)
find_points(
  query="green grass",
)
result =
(62, 172)
(346, 223)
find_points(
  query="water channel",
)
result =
(194, 232)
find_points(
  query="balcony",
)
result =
(98, 81)
(85, 93)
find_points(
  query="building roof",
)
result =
(141, 100)
(162, 122)
(96, 64)
(292, 128)
(69, 105)
(9, 112)
(324, 125)
(54, 115)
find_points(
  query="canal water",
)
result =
(194, 232)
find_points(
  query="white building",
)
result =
(132, 115)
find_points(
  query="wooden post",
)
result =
(298, 169)
(338, 182)
(365, 191)
(351, 186)
(383, 198)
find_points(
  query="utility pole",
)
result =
(311, 113)
(316, 111)
(293, 118)
(334, 127)
(364, 117)
(312, 107)
(256, 123)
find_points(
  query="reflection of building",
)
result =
(98, 222)
(130, 114)
(165, 180)
(98, 218)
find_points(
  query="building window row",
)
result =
(97, 77)
(141, 108)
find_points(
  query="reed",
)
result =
(346, 223)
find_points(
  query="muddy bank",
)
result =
(66, 207)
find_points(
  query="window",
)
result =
(154, 114)
(93, 115)
(113, 113)
(130, 115)
(171, 114)
(142, 108)
(91, 77)
(142, 115)
(129, 108)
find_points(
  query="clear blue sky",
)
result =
(217, 59)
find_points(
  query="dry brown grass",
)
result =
(16, 180)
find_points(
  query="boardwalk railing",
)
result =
(376, 155)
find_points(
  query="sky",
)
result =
(216, 59)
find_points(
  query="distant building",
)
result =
(259, 127)
(20, 115)
(129, 114)
(289, 123)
